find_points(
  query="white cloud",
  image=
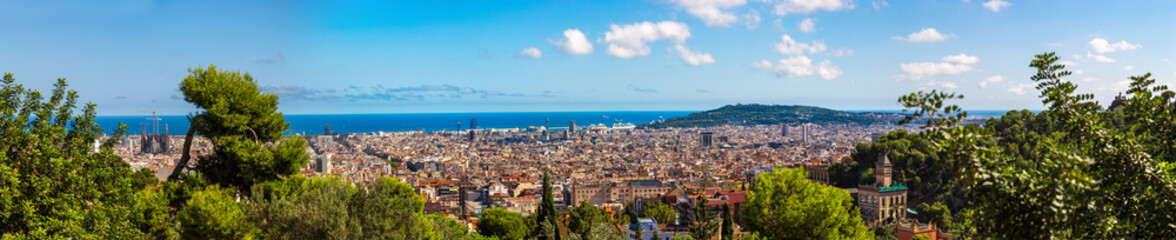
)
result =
(949, 85)
(693, 58)
(991, 79)
(530, 52)
(961, 59)
(1100, 45)
(828, 71)
(1099, 58)
(841, 52)
(1128, 68)
(808, 25)
(574, 42)
(795, 66)
(800, 66)
(751, 19)
(1116, 87)
(996, 5)
(762, 65)
(711, 11)
(879, 4)
(944, 85)
(785, 7)
(791, 47)
(925, 35)
(631, 40)
(954, 64)
(1019, 89)
(1068, 63)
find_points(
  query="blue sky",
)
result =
(496, 56)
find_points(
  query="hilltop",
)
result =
(758, 114)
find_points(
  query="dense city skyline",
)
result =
(527, 56)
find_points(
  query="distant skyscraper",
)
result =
(324, 163)
(707, 139)
(571, 131)
(458, 126)
(804, 132)
(783, 130)
(473, 133)
(326, 129)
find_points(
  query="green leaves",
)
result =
(785, 205)
(930, 106)
(245, 129)
(502, 223)
(660, 212)
(53, 182)
(215, 214)
(1063, 173)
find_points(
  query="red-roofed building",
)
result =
(735, 198)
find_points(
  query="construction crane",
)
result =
(154, 121)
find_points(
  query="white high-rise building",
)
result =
(324, 163)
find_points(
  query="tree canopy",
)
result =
(56, 179)
(1088, 176)
(660, 212)
(502, 223)
(244, 126)
(783, 204)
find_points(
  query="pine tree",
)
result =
(703, 226)
(245, 127)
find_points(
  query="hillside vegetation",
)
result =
(759, 114)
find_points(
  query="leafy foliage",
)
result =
(389, 209)
(1084, 179)
(546, 213)
(660, 212)
(583, 217)
(784, 204)
(448, 228)
(214, 213)
(244, 127)
(56, 180)
(302, 208)
(703, 225)
(728, 230)
(502, 223)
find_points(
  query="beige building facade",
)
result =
(882, 200)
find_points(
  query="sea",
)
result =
(314, 124)
(399, 122)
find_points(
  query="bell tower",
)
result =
(882, 171)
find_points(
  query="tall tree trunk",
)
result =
(183, 164)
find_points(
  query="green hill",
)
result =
(758, 114)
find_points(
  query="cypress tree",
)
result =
(728, 222)
(546, 212)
